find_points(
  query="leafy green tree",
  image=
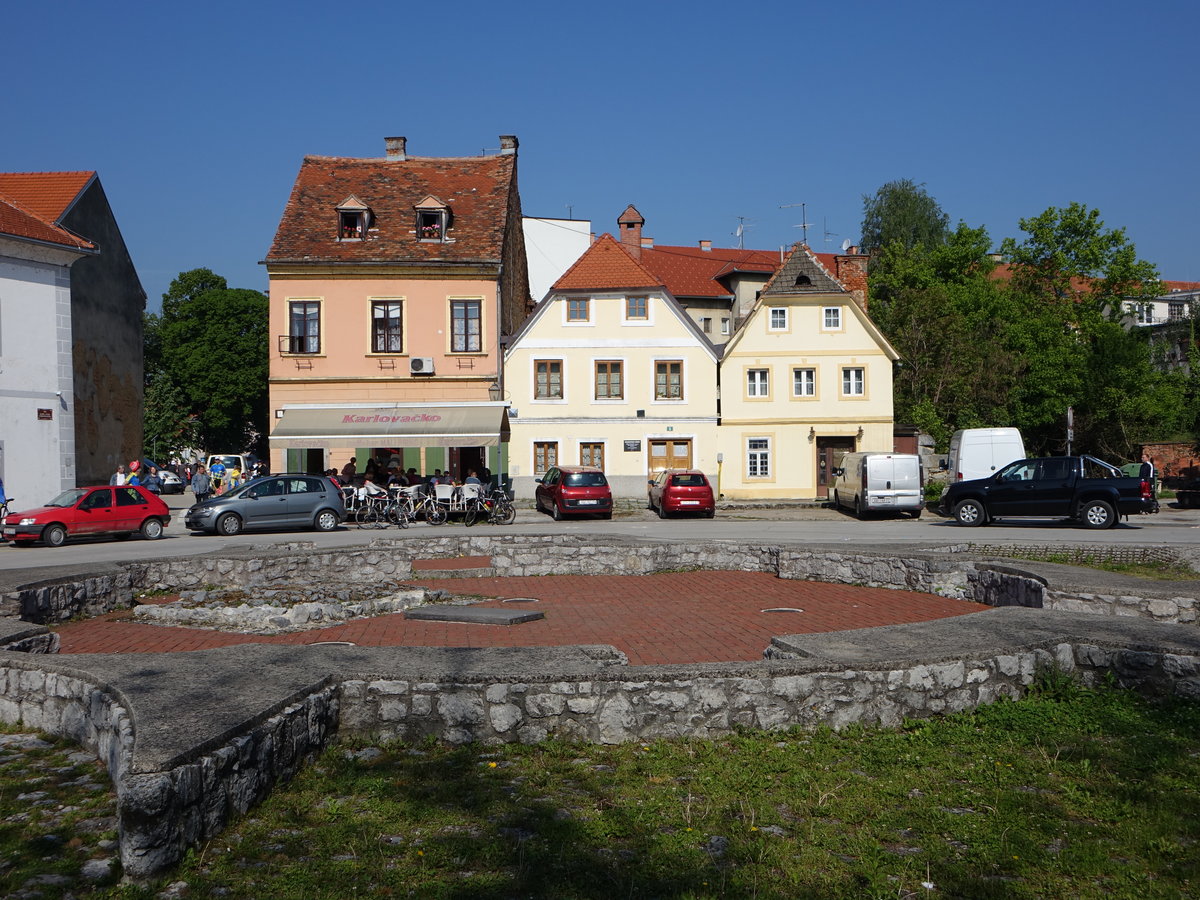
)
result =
(902, 212)
(1069, 256)
(214, 353)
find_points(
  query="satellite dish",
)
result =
(846, 245)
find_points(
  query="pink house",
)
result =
(393, 284)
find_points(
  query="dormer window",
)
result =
(433, 219)
(354, 218)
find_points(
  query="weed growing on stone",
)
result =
(1071, 792)
(1158, 570)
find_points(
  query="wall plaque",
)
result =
(633, 446)
(45, 414)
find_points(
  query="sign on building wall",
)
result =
(633, 446)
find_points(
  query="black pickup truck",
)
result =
(1082, 488)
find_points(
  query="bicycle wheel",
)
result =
(397, 514)
(381, 516)
(471, 513)
(364, 516)
(503, 512)
(436, 514)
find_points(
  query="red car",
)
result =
(87, 511)
(570, 490)
(681, 491)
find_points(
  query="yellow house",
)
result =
(806, 378)
(610, 371)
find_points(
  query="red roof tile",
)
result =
(693, 272)
(31, 204)
(605, 265)
(475, 189)
(1169, 286)
(47, 195)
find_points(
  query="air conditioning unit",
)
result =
(420, 365)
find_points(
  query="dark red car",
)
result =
(574, 490)
(89, 511)
(681, 491)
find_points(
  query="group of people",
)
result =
(398, 477)
(147, 477)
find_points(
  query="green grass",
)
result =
(1157, 570)
(1068, 793)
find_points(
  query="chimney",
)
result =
(706, 246)
(395, 148)
(630, 228)
(648, 243)
(851, 270)
(508, 145)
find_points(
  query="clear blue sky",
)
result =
(197, 116)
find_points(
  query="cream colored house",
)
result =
(806, 378)
(610, 371)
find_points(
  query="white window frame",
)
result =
(758, 458)
(782, 313)
(724, 326)
(852, 386)
(810, 382)
(758, 384)
(837, 318)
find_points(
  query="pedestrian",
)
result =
(1149, 474)
(349, 470)
(472, 478)
(118, 477)
(216, 477)
(201, 484)
(153, 481)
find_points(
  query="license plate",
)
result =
(689, 502)
(10, 531)
(588, 502)
(885, 501)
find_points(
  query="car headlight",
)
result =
(200, 513)
(28, 521)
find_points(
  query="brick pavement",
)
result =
(676, 617)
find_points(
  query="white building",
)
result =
(552, 246)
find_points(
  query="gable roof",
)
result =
(803, 273)
(606, 265)
(476, 189)
(693, 272)
(32, 204)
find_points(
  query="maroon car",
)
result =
(89, 511)
(574, 490)
(681, 491)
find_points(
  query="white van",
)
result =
(978, 452)
(879, 482)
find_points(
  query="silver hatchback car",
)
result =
(273, 501)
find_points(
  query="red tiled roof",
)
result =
(693, 272)
(1170, 286)
(606, 264)
(476, 190)
(45, 194)
(31, 203)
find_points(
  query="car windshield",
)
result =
(229, 462)
(68, 498)
(585, 479)
(688, 480)
(1098, 468)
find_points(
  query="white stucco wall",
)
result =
(552, 246)
(37, 456)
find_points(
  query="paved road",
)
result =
(792, 525)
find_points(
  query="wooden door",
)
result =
(669, 454)
(829, 451)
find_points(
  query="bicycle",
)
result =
(372, 512)
(496, 507)
(426, 504)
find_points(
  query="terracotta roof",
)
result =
(693, 272)
(606, 265)
(48, 195)
(32, 203)
(1170, 286)
(475, 189)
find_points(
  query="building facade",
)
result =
(71, 308)
(393, 284)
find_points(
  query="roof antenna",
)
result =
(825, 227)
(570, 211)
(740, 233)
(803, 219)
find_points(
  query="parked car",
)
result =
(680, 491)
(573, 490)
(171, 483)
(90, 511)
(879, 482)
(978, 452)
(273, 501)
(1188, 496)
(1082, 488)
(231, 461)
